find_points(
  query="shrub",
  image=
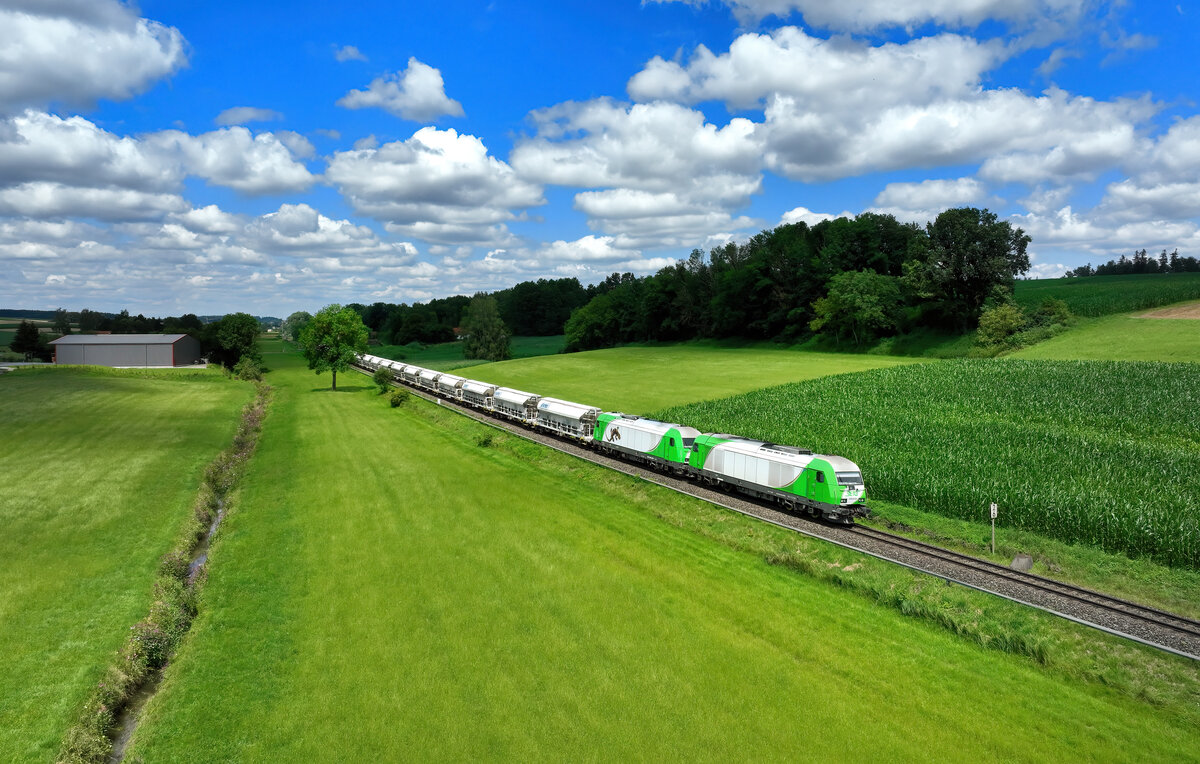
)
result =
(399, 398)
(382, 379)
(248, 369)
(174, 565)
(998, 325)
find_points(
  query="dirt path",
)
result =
(1191, 310)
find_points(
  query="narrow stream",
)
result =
(127, 722)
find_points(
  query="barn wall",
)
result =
(187, 351)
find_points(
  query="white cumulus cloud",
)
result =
(418, 93)
(113, 53)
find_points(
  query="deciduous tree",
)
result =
(968, 252)
(486, 335)
(332, 339)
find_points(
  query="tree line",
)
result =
(850, 279)
(1141, 262)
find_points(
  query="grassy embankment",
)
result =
(1123, 337)
(638, 379)
(446, 356)
(99, 470)
(405, 583)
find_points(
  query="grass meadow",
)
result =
(446, 356)
(1100, 453)
(1122, 337)
(99, 469)
(1105, 295)
(407, 584)
(641, 378)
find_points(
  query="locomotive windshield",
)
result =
(849, 478)
(689, 442)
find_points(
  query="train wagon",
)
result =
(577, 420)
(428, 380)
(450, 386)
(478, 394)
(829, 486)
(659, 444)
(516, 404)
(411, 374)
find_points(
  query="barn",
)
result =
(127, 349)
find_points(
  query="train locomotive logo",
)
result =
(614, 435)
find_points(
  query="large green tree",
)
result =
(863, 305)
(486, 336)
(332, 339)
(967, 253)
(232, 338)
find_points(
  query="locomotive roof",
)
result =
(651, 425)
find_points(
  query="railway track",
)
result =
(1150, 626)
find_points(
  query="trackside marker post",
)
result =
(995, 511)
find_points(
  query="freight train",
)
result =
(824, 486)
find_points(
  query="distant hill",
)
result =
(49, 314)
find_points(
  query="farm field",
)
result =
(1123, 337)
(408, 584)
(446, 356)
(99, 470)
(639, 379)
(1099, 453)
(1105, 295)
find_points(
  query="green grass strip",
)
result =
(153, 640)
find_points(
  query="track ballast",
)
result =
(1140, 623)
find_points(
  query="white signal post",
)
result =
(995, 511)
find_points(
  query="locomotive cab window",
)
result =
(849, 478)
(820, 477)
(672, 442)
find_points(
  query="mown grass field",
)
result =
(1123, 337)
(99, 469)
(1101, 453)
(1106, 295)
(404, 584)
(446, 356)
(639, 379)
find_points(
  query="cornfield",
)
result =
(1105, 295)
(1091, 452)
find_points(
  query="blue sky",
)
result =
(277, 156)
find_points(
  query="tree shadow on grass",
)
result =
(343, 389)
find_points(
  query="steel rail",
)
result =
(815, 529)
(1087, 596)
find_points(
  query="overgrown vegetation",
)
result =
(154, 639)
(382, 379)
(1099, 453)
(1006, 326)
